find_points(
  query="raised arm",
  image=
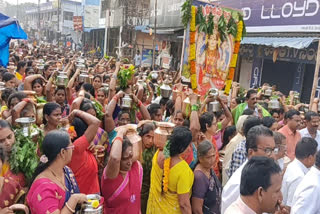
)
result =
(71, 83)
(92, 122)
(113, 165)
(142, 108)
(194, 117)
(29, 79)
(225, 122)
(113, 82)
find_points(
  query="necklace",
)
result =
(59, 180)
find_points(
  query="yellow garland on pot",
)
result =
(192, 49)
(166, 172)
(193, 79)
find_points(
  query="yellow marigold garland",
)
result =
(166, 172)
(193, 19)
(234, 59)
(192, 54)
(240, 30)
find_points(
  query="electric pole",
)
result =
(39, 31)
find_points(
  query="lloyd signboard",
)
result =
(279, 15)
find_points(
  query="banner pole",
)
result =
(315, 77)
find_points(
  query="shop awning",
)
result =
(146, 29)
(291, 42)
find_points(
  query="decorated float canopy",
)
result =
(211, 45)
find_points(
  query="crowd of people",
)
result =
(73, 127)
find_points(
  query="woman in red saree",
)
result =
(122, 178)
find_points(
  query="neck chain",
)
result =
(56, 177)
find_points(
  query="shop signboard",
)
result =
(279, 15)
(91, 16)
(256, 73)
(168, 13)
(307, 55)
(298, 77)
(77, 23)
(147, 55)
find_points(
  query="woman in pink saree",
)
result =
(54, 189)
(122, 178)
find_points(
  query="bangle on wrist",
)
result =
(118, 138)
(195, 107)
(69, 208)
(139, 104)
(115, 98)
(26, 100)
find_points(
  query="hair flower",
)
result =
(43, 159)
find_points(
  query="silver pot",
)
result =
(214, 92)
(81, 66)
(126, 101)
(165, 91)
(25, 123)
(87, 208)
(268, 92)
(84, 78)
(214, 106)
(274, 104)
(62, 80)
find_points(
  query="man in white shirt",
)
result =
(305, 153)
(307, 196)
(259, 189)
(312, 121)
(260, 142)
(137, 59)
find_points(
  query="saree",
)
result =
(122, 194)
(46, 196)
(180, 182)
(10, 192)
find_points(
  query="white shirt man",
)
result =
(260, 142)
(305, 133)
(231, 190)
(293, 176)
(312, 120)
(305, 153)
(307, 196)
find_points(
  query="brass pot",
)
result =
(161, 134)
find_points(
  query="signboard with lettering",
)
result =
(91, 16)
(307, 55)
(279, 15)
(168, 13)
(298, 77)
(256, 73)
(77, 23)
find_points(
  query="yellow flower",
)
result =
(192, 55)
(193, 80)
(193, 19)
(166, 171)
(131, 67)
(95, 204)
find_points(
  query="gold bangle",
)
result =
(69, 208)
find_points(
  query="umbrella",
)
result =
(9, 29)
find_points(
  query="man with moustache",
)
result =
(259, 189)
(259, 142)
(312, 121)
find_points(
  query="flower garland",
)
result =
(192, 55)
(234, 59)
(166, 167)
